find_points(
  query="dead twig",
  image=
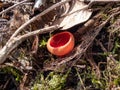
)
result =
(94, 66)
(6, 84)
(81, 81)
(110, 56)
(101, 45)
(22, 87)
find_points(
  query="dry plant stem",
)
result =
(22, 84)
(38, 16)
(14, 42)
(105, 50)
(82, 84)
(35, 44)
(6, 10)
(5, 85)
(41, 31)
(101, 45)
(90, 59)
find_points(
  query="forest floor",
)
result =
(26, 63)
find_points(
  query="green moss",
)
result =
(13, 71)
(53, 81)
(43, 42)
(117, 81)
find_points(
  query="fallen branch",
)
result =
(14, 42)
(81, 49)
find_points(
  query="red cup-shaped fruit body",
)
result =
(61, 44)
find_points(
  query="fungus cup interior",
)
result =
(60, 39)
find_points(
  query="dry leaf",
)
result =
(18, 19)
(39, 3)
(75, 15)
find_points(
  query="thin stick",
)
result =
(36, 32)
(6, 10)
(81, 81)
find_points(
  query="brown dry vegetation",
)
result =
(26, 64)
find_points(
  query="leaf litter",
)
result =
(92, 62)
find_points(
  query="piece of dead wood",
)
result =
(89, 37)
(6, 84)
(14, 42)
(35, 45)
(111, 42)
(22, 84)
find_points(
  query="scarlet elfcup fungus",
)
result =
(61, 44)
